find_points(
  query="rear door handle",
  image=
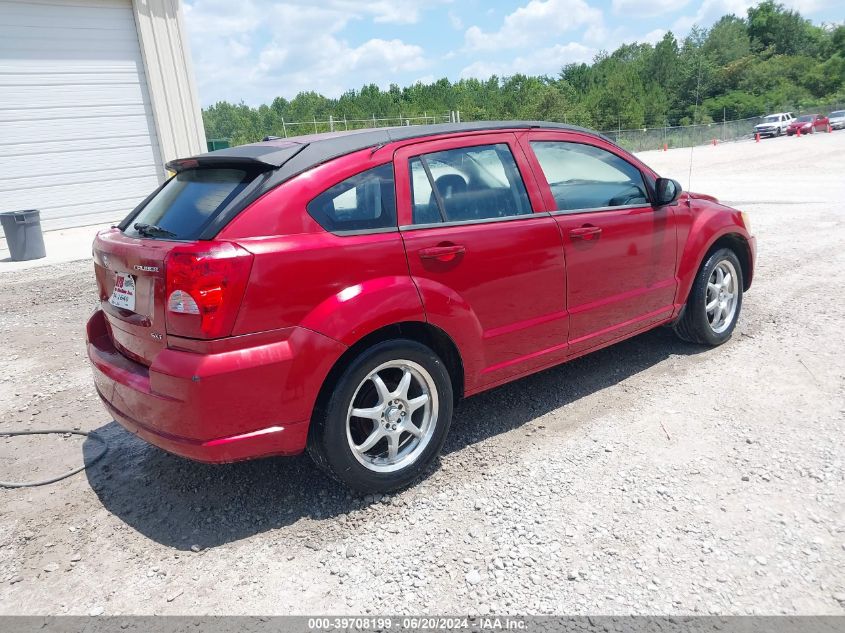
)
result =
(443, 253)
(587, 232)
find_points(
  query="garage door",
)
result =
(77, 137)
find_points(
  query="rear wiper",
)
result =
(151, 230)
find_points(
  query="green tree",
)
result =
(773, 60)
(772, 26)
(727, 41)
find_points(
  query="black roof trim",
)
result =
(316, 149)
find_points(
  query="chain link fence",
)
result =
(668, 137)
(342, 124)
(683, 135)
(634, 140)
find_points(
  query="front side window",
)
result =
(467, 184)
(585, 177)
(366, 201)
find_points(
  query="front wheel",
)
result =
(714, 302)
(386, 418)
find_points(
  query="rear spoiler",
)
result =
(249, 156)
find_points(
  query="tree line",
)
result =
(772, 59)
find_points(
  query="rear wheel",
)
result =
(714, 302)
(386, 418)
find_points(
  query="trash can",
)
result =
(23, 234)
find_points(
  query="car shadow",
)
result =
(180, 503)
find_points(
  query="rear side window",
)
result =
(584, 177)
(188, 203)
(364, 202)
(466, 184)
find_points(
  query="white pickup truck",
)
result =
(774, 124)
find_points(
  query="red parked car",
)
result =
(808, 124)
(338, 292)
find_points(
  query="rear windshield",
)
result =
(805, 118)
(188, 203)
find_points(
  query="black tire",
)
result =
(778, 132)
(694, 325)
(328, 444)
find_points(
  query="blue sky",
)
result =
(255, 50)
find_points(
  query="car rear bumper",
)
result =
(250, 397)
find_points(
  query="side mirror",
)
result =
(667, 191)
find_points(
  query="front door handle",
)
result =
(442, 252)
(586, 232)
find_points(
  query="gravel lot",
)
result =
(651, 477)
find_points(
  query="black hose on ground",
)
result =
(52, 480)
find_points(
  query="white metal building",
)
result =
(95, 97)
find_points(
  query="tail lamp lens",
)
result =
(205, 287)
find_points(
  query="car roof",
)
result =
(285, 158)
(294, 155)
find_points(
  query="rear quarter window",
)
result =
(189, 201)
(364, 202)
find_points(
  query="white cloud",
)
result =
(456, 21)
(382, 11)
(550, 60)
(221, 17)
(708, 12)
(806, 7)
(711, 10)
(335, 59)
(539, 18)
(389, 11)
(544, 61)
(600, 36)
(653, 37)
(646, 8)
(258, 49)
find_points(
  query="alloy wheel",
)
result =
(392, 416)
(722, 296)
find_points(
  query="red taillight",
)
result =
(205, 286)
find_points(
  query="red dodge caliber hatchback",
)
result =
(338, 293)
